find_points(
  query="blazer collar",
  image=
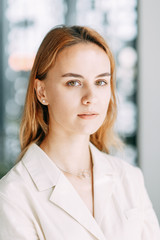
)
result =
(41, 168)
(45, 175)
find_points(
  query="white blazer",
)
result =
(37, 201)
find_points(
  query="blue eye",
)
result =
(101, 83)
(73, 83)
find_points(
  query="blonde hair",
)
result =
(35, 120)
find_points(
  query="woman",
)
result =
(64, 186)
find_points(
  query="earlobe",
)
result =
(39, 87)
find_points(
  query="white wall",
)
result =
(149, 97)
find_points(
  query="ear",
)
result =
(40, 89)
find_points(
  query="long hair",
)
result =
(35, 120)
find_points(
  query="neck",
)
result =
(68, 152)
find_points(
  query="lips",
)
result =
(88, 115)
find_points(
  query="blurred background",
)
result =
(132, 32)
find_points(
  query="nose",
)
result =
(89, 97)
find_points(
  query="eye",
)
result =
(101, 82)
(73, 83)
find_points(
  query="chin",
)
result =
(89, 130)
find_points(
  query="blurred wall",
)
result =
(149, 97)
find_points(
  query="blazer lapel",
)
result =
(66, 197)
(105, 179)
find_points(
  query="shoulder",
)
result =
(120, 167)
(123, 167)
(128, 179)
(15, 212)
(17, 180)
(130, 175)
(13, 180)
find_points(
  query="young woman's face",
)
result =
(77, 89)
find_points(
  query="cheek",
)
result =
(61, 103)
(105, 99)
(55, 96)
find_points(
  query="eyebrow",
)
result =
(106, 74)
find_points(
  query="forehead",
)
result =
(81, 57)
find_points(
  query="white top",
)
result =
(37, 201)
